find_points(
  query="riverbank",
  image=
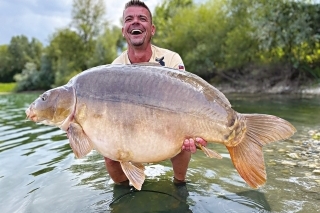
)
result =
(280, 88)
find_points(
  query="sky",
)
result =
(41, 18)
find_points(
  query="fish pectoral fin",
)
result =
(139, 166)
(209, 153)
(135, 174)
(79, 141)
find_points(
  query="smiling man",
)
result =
(138, 30)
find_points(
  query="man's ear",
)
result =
(153, 30)
(122, 32)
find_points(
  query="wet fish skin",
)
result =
(139, 114)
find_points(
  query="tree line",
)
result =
(223, 40)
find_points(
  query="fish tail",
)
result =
(247, 155)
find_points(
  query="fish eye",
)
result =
(44, 97)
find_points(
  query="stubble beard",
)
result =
(139, 42)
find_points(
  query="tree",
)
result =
(67, 54)
(286, 30)
(17, 54)
(197, 33)
(163, 16)
(5, 75)
(87, 19)
(107, 47)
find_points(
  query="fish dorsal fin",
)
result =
(147, 64)
(79, 141)
(135, 174)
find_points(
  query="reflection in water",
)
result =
(39, 173)
(127, 199)
(251, 198)
(160, 196)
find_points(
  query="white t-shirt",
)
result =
(163, 56)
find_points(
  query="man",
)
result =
(138, 31)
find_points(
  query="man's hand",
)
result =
(190, 146)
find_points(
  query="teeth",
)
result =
(136, 31)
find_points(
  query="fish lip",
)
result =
(31, 115)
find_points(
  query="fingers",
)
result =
(201, 141)
(190, 146)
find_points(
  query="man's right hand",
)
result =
(190, 146)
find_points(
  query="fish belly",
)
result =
(127, 132)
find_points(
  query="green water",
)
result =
(39, 173)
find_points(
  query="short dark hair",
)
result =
(137, 3)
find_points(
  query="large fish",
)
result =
(138, 114)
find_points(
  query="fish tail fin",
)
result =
(247, 155)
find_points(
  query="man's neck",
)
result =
(139, 55)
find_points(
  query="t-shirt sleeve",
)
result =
(121, 59)
(117, 61)
(176, 62)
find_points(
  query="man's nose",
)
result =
(136, 19)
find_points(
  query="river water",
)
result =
(39, 172)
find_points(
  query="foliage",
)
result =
(163, 17)
(32, 79)
(5, 75)
(288, 31)
(107, 47)
(87, 18)
(17, 54)
(28, 79)
(67, 54)
(223, 35)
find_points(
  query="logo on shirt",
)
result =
(181, 67)
(160, 60)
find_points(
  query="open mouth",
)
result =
(136, 32)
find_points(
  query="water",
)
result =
(39, 173)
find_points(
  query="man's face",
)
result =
(137, 27)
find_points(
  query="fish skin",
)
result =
(140, 114)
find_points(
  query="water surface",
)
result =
(39, 173)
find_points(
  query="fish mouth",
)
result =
(31, 115)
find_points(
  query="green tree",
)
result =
(18, 53)
(5, 75)
(197, 33)
(163, 15)
(286, 31)
(107, 46)
(32, 79)
(67, 54)
(87, 19)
